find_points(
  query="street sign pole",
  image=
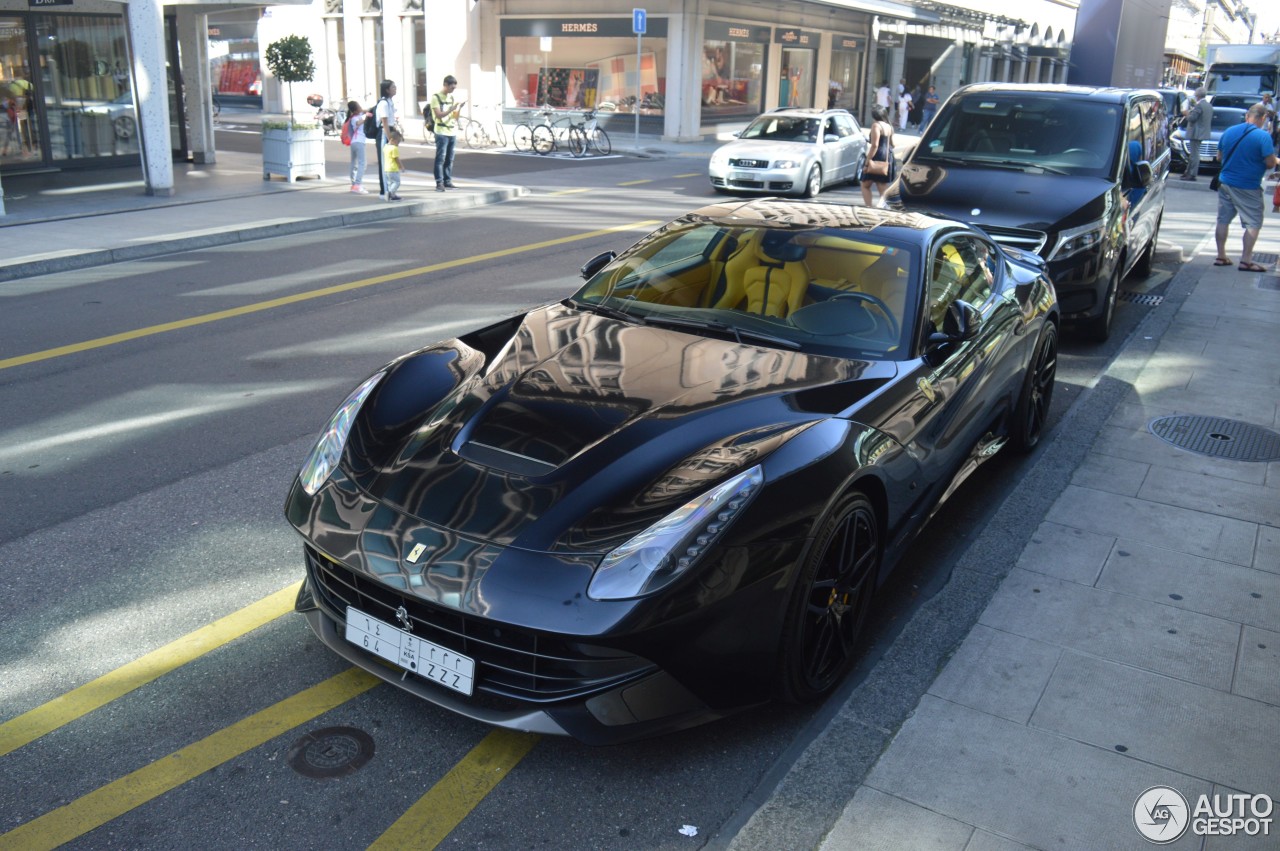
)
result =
(638, 27)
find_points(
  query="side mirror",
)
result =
(1143, 170)
(830, 138)
(960, 323)
(595, 264)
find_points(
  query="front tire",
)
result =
(544, 140)
(1098, 328)
(813, 183)
(522, 138)
(600, 141)
(1146, 263)
(830, 600)
(1031, 414)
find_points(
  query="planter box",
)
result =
(293, 153)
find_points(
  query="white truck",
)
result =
(1239, 74)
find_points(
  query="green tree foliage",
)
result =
(289, 60)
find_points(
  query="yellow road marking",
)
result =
(95, 694)
(425, 825)
(690, 174)
(635, 182)
(258, 307)
(568, 191)
(151, 781)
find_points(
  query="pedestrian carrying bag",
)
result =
(1215, 182)
(429, 114)
(371, 125)
(346, 131)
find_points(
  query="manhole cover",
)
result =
(1148, 299)
(331, 752)
(1218, 437)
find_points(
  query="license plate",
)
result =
(405, 649)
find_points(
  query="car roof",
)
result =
(817, 214)
(803, 110)
(1102, 93)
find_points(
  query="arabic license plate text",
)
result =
(422, 657)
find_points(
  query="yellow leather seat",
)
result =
(768, 274)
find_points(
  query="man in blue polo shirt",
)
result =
(1247, 154)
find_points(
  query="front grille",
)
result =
(1208, 150)
(511, 662)
(741, 163)
(1027, 240)
(747, 184)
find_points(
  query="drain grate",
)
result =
(1149, 299)
(1271, 282)
(331, 752)
(1218, 437)
(1265, 259)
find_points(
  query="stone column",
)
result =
(146, 33)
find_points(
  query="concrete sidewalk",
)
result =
(1133, 643)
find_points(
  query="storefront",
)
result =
(796, 76)
(585, 63)
(734, 64)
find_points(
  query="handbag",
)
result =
(881, 167)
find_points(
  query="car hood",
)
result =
(760, 149)
(1002, 197)
(579, 415)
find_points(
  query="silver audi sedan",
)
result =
(791, 152)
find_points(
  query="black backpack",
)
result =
(371, 125)
(429, 114)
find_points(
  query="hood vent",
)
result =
(504, 459)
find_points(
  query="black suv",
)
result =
(1074, 173)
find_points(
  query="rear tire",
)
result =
(544, 140)
(577, 140)
(830, 600)
(522, 138)
(476, 137)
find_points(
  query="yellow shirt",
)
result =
(391, 154)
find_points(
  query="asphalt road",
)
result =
(143, 485)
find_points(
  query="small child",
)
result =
(355, 131)
(391, 164)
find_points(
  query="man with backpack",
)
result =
(445, 112)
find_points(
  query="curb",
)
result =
(267, 229)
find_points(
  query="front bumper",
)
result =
(757, 179)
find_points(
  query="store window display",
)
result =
(733, 59)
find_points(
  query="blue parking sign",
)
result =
(638, 21)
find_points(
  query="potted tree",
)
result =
(289, 148)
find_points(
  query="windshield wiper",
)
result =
(1023, 165)
(603, 310)
(712, 325)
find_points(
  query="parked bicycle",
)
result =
(523, 134)
(479, 135)
(593, 135)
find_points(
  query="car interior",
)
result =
(821, 283)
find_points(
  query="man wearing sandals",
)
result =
(1248, 153)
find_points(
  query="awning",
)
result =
(885, 9)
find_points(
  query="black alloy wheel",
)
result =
(1032, 412)
(1098, 328)
(829, 605)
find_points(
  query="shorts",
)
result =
(1245, 202)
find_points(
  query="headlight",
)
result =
(786, 164)
(719, 158)
(1079, 239)
(327, 452)
(658, 555)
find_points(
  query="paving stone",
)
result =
(1117, 627)
(874, 821)
(983, 841)
(997, 672)
(1212, 493)
(1251, 408)
(1195, 532)
(1141, 446)
(1228, 591)
(1164, 721)
(1241, 841)
(1036, 788)
(1258, 669)
(1066, 552)
(1107, 472)
(1268, 555)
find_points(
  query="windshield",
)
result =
(782, 128)
(1224, 118)
(829, 291)
(1247, 82)
(1026, 131)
